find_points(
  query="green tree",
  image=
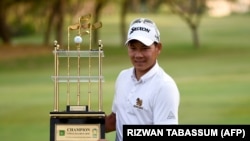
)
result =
(99, 4)
(5, 29)
(56, 18)
(191, 12)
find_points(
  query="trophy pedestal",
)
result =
(77, 125)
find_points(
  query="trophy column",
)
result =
(79, 121)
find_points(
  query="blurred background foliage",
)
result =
(20, 18)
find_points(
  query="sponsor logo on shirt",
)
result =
(138, 103)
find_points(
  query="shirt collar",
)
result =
(146, 76)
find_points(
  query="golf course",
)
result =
(214, 80)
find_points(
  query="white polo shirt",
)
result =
(154, 99)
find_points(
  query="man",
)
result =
(144, 93)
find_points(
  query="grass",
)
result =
(213, 81)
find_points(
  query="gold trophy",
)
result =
(75, 73)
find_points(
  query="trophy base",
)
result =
(77, 125)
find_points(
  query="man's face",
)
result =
(143, 57)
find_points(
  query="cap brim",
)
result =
(144, 40)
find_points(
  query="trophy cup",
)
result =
(74, 78)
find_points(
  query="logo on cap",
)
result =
(140, 29)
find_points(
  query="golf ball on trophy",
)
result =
(78, 39)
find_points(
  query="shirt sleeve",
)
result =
(166, 104)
